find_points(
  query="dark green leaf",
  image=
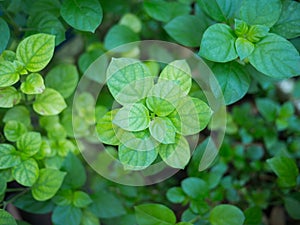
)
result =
(5, 35)
(292, 205)
(195, 188)
(175, 195)
(226, 215)
(253, 216)
(267, 108)
(85, 15)
(182, 29)
(81, 199)
(66, 215)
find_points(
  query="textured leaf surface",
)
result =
(34, 84)
(218, 44)
(48, 183)
(282, 60)
(26, 173)
(30, 143)
(8, 156)
(163, 130)
(84, 15)
(9, 96)
(67, 214)
(49, 103)
(6, 218)
(13, 130)
(243, 47)
(8, 74)
(36, 51)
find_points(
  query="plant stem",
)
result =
(15, 197)
(194, 220)
(15, 189)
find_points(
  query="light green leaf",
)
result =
(34, 84)
(179, 72)
(288, 25)
(286, 169)
(262, 12)
(218, 43)
(136, 159)
(128, 80)
(8, 74)
(49, 103)
(89, 218)
(154, 214)
(48, 183)
(63, 78)
(45, 22)
(176, 155)
(8, 55)
(63, 197)
(131, 21)
(244, 48)
(133, 117)
(29, 143)
(66, 215)
(26, 173)
(182, 29)
(120, 35)
(195, 188)
(5, 35)
(106, 130)
(164, 97)
(84, 15)
(176, 195)
(272, 64)
(18, 113)
(256, 32)
(81, 199)
(233, 79)
(6, 218)
(36, 51)
(13, 130)
(219, 10)
(8, 156)
(226, 215)
(165, 11)
(240, 27)
(139, 140)
(191, 116)
(9, 96)
(163, 130)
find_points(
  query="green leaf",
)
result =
(136, 159)
(49, 103)
(157, 9)
(75, 172)
(63, 197)
(175, 195)
(89, 218)
(164, 97)
(48, 183)
(34, 84)
(119, 35)
(163, 130)
(81, 199)
(240, 27)
(9, 96)
(233, 79)
(8, 55)
(51, 6)
(292, 205)
(3, 185)
(27, 203)
(36, 51)
(219, 10)
(191, 116)
(154, 214)
(195, 188)
(128, 80)
(132, 117)
(182, 29)
(226, 215)
(267, 108)
(26, 173)
(45, 22)
(253, 216)
(5, 35)
(277, 48)
(84, 15)
(176, 155)
(288, 24)
(63, 78)
(106, 205)
(262, 12)
(29, 143)
(8, 74)
(286, 169)
(8, 156)
(256, 32)
(179, 72)
(18, 113)
(218, 43)
(66, 215)
(131, 21)
(6, 218)
(244, 48)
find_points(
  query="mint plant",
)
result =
(155, 117)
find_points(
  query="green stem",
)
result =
(15, 197)
(15, 189)
(194, 220)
